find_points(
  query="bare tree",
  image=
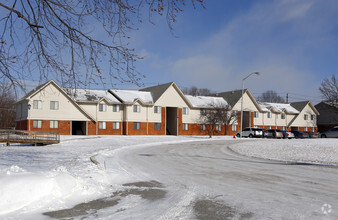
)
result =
(218, 114)
(329, 89)
(196, 91)
(270, 96)
(73, 41)
(7, 110)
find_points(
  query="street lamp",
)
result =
(256, 73)
(29, 124)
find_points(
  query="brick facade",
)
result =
(64, 127)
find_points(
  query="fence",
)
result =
(29, 137)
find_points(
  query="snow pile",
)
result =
(318, 151)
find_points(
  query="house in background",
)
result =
(328, 117)
(157, 110)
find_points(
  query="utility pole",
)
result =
(287, 97)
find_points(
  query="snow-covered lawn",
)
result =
(318, 151)
(34, 180)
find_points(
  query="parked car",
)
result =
(299, 134)
(312, 134)
(251, 132)
(288, 134)
(332, 133)
(275, 133)
(267, 134)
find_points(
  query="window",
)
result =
(102, 107)
(283, 128)
(282, 116)
(185, 111)
(218, 127)
(185, 126)
(54, 105)
(116, 125)
(305, 117)
(37, 124)
(305, 129)
(255, 114)
(37, 104)
(54, 124)
(269, 127)
(234, 127)
(313, 117)
(102, 125)
(313, 129)
(202, 127)
(137, 125)
(234, 113)
(136, 108)
(157, 109)
(269, 114)
(157, 126)
(202, 112)
(116, 107)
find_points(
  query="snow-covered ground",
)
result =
(34, 180)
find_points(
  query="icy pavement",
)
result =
(143, 177)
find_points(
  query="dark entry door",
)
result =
(78, 128)
(171, 121)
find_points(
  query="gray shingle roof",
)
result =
(299, 105)
(157, 91)
(231, 97)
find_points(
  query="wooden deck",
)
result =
(29, 137)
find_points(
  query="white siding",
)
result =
(171, 98)
(300, 122)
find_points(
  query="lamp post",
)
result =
(256, 73)
(29, 124)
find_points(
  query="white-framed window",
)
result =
(255, 126)
(269, 114)
(102, 107)
(54, 124)
(283, 128)
(116, 125)
(305, 116)
(313, 129)
(202, 127)
(282, 116)
(218, 127)
(37, 124)
(313, 117)
(269, 127)
(157, 126)
(157, 109)
(255, 114)
(305, 129)
(37, 104)
(234, 127)
(54, 105)
(185, 111)
(116, 107)
(137, 125)
(102, 125)
(136, 108)
(185, 126)
(202, 112)
(234, 112)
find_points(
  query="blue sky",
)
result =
(292, 43)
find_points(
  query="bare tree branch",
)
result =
(329, 89)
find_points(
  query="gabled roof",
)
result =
(86, 95)
(278, 107)
(132, 96)
(233, 97)
(157, 91)
(301, 105)
(42, 86)
(206, 101)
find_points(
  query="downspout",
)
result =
(147, 117)
(96, 121)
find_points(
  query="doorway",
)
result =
(79, 128)
(171, 121)
(246, 119)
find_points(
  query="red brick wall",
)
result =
(141, 131)
(179, 121)
(91, 127)
(109, 130)
(195, 129)
(251, 119)
(64, 127)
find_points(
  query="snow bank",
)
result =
(318, 151)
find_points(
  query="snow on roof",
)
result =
(206, 101)
(87, 95)
(129, 96)
(278, 107)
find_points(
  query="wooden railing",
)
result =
(29, 137)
